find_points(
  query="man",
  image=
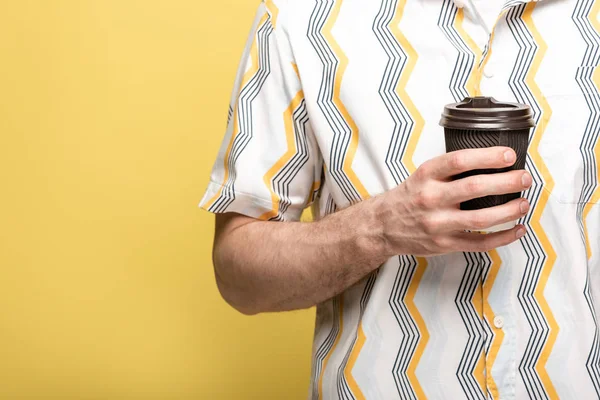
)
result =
(337, 105)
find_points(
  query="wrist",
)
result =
(372, 237)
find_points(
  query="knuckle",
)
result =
(430, 225)
(423, 171)
(507, 239)
(439, 242)
(427, 199)
(511, 184)
(474, 184)
(420, 200)
(457, 161)
(478, 221)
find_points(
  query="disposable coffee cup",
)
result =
(479, 122)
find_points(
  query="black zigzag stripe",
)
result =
(465, 59)
(326, 346)
(339, 126)
(331, 207)
(489, 335)
(282, 180)
(536, 256)
(471, 282)
(229, 115)
(582, 19)
(247, 96)
(513, 3)
(463, 67)
(403, 123)
(403, 127)
(343, 388)
(410, 332)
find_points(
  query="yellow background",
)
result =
(111, 113)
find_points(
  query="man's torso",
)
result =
(518, 322)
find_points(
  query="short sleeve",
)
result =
(269, 165)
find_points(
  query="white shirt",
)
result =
(339, 100)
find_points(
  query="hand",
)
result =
(422, 216)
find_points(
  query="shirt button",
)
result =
(488, 72)
(499, 322)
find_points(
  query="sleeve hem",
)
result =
(217, 202)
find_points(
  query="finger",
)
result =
(474, 187)
(457, 162)
(482, 219)
(477, 242)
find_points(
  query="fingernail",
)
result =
(524, 206)
(520, 233)
(526, 180)
(510, 156)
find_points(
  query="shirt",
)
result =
(339, 100)
(488, 11)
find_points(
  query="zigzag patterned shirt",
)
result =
(339, 100)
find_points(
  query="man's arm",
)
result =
(263, 266)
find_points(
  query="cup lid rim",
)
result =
(486, 113)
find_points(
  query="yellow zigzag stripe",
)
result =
(273, 10)
(596, 195)
(360, 342)
(407, 160)
(347, 167)
(479, 370)
(414, 312)
(536, 225)
(489, 315)
(254, 67)
(339, 77)
(307, 214)
(335, 343)
(310, 213)
(412, 57)
(292, 149)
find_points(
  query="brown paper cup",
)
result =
(479, 122)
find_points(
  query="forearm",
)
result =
(272, 266)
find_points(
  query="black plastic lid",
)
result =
(486, 113)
